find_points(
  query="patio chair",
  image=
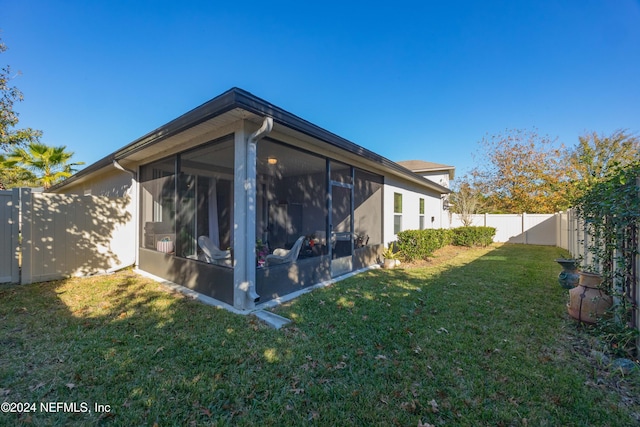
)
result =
(284, 256)
(212, 254)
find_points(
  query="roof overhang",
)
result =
(227, 108)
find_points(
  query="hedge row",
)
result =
(420, 244)
(473, 236)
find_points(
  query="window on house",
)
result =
(421, 214)
(397, 211)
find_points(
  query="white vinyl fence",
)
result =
(9, 231)
(62, 235)
(562, 229)
(532, 229)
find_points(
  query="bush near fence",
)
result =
(420, 244)
(473, 236)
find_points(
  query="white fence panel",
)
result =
(535, 229)
(9, 236)
(508, 227)
(455, 220)
(540, 229)
(71, 235)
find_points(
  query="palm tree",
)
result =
(48, 164)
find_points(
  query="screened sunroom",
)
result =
(315, 218)
(244, 202)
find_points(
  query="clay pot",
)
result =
(568, 277)
(586, 301)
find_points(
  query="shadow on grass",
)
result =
(118, 340)
(477, 340)
(485, 336)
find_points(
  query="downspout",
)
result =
(250, 185)
(134, 192)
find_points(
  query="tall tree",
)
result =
(11, 137)
(9, 95)
(595, 157)
(48, 164)
(521, 171)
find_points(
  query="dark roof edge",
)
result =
(239, 98)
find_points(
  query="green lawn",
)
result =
(478, 337)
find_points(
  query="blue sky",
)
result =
(409, 80)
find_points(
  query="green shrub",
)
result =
(420, 244)
(473, 236)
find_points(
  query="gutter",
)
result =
(250, 186)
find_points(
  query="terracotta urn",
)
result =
(568, 277)
(587, 301)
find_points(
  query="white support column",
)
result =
(244, 227)
(244, 217)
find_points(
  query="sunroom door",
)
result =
(341, 223)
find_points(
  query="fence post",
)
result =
(15, 235)
(523, 229)
(26, 247)
(558, 218)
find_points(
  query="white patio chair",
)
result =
(212, 254)
(283, 256)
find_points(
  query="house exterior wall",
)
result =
(411, 195)
(112, 183)
(441, 178)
